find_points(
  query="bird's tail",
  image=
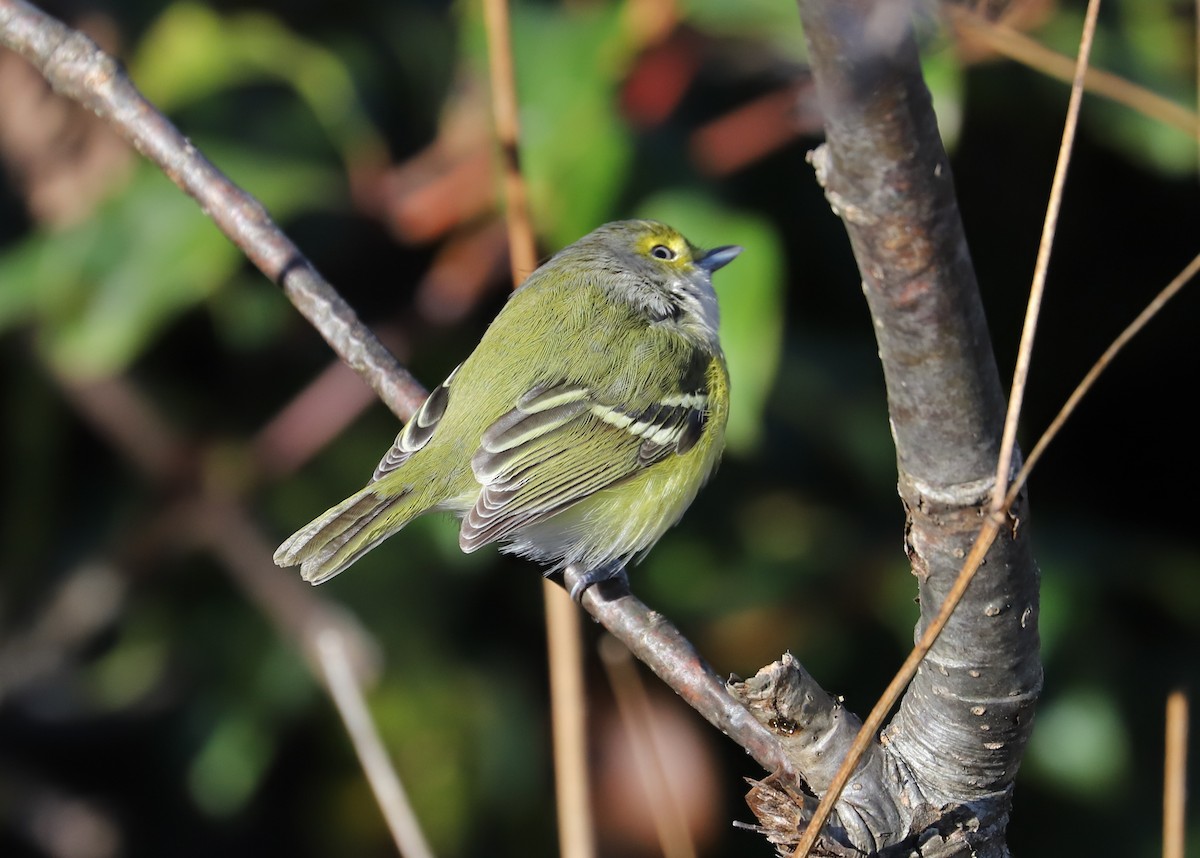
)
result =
(339, 536)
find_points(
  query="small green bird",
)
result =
(578, 431)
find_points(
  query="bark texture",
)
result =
(940, 777)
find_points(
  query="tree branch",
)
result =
(654, 640)
(965, 720)
(815, 731)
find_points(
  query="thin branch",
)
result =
(1175, 777)
(78, 69)
(973, 27)
(662, 647)
(1093, 375)
(1025, 351)
(389, 791)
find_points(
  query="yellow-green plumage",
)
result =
(580, 428)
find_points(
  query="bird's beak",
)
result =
(718, 257)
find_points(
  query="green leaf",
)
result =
(1081, 744)
(776, 25)
(576, 149)
(1143, 43)
(135, 665)
(231, 764)
(190, 53)
(105, 289)
(943, 74)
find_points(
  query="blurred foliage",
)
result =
(165, 714)
(1153, 44)
(191, 52)
(104, 290)
(575, 149)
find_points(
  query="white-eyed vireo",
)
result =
(580, 428)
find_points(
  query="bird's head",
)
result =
(653, 268)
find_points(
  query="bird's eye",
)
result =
(661, 251)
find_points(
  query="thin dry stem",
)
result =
(1152, 309)
(504, 104)
(1042, 265)
(568, 706)
(372, 755)
(568, 711)
(1017, 46)
(633, 705)
(1175, 777)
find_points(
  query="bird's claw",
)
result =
(578, 582)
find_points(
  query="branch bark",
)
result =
(653, 639)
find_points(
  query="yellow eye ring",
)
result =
(661, 251)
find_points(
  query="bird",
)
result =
(577, 432)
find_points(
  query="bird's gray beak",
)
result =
(718, 257)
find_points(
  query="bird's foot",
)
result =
(577, 581)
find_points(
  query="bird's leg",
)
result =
(578, 580)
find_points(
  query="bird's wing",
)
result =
(561, 443)
(418, 430)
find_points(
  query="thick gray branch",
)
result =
(947, 761)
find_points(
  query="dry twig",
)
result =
(1175, 777)
(568, 705)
